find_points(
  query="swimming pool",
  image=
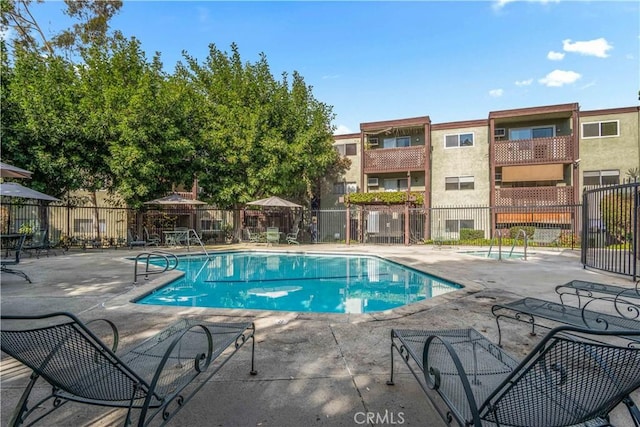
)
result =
(304, 282)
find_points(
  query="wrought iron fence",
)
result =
(372, 224)
(610, 236)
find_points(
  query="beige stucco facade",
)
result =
(609, 153)
(621, 152)
(332, 199)
(463, 161)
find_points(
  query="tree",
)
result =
(259, 136)
(91, 27)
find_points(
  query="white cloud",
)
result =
(496, 93)
(555, 56)
(558, 78)
(588, 85)
(203, 15)
(629, 56)
(524, 82)
(330, 76)
(596, 47)
(341, 130)
(499, 4)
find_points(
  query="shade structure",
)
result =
(10, 171)
(174, 199)
(274, 201)
(13, 189)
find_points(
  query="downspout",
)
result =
(365, 188)
(492, 178)
(427, 179)
(576, 154)
(574, 168)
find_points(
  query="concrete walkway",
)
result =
(313, 369)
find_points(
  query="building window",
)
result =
(346, 149)
(401, 141)
(458, 140)
(601, 129)
(396, 184)
(532, 133)
(345, 187)
(454, 225)
(459, 183)
(603, 177)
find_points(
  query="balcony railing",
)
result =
(394, 159)
(533, 196)
(557, 149)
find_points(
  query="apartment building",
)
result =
(536, 159)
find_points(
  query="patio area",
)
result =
(313, 369)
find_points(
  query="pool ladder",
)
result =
(171, 262)
(525, 239)
(499, 238)
(197, 239)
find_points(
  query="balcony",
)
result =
(557, 149)
(533, 196)
(385, 160)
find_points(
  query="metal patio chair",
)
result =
(152, 377)
(273, 235)
(292, 238)
(568, 378)
(13, 242)
(134, 240)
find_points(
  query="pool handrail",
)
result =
(520, 231)
(499, 238)
(159, 254)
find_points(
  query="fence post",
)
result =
(348, 230)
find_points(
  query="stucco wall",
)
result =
(619, 152)
(460, 161)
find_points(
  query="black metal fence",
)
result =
(371, 224)
(452, 225)
(610, 236)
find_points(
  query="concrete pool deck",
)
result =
(313, 369)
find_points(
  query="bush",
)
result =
(471, 234)
(529, 229)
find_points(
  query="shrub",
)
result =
(471, 234)
(529, 229)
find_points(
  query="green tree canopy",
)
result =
(258, 136)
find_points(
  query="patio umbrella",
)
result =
(274, 201)
(13, 189)
(9, 171)
(174, 199)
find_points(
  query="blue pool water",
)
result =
(297, 282)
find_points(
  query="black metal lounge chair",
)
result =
(623, 314)
(17, 247)
(152, 377)
(568, 379)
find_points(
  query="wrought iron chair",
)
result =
(273, 235)
(292, 238)
(17, 246)
(567, 379)
(152, 239)
(134, 241)
(152, 377)
(39, 242)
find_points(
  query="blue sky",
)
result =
(373, 61)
